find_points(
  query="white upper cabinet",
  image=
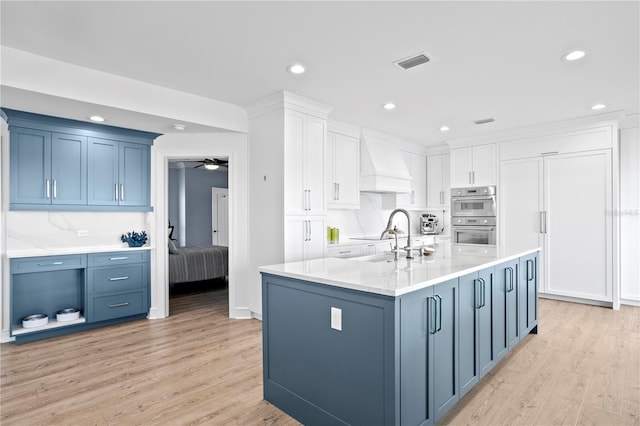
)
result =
(343, 183)
(304, 154)
(473, 166)
(417, 198)
(438, 176)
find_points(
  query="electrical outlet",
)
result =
(83, 232)
(336, 319)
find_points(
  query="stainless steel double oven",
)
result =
(473, 215)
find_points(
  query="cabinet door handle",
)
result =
(545, 221)
(345, 251)
(338, 191)
(118, 305)
(309, 230)
(55, 189)
(47, 189)
(116, 191)
(476, 294)
(50, 264)
(433, 304)
(441, 197)
(532, 275)
(483, 293)
(122, 192)
(118, 278)
(540, 214)
(413, 197)
(119, 258)
(510, 270)
(439, 312)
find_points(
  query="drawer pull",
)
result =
(119, 258)
(345, 251)
(118, 278)
(49, 264)
(118, 305)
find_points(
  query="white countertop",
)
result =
(379, 274)
(11, 254)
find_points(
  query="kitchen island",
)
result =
(374, 341)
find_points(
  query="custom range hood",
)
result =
(382, 166)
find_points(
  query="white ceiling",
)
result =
(488, 59)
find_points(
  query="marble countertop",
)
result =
(380, 274)
(11, 254)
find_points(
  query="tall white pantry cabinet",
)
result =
(556, 191)
(288, 200)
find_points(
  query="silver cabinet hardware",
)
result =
(116, 191)
(55, 189)
(510, 269)
(118, 278)
(122, 192)
(338, 191)
(118, 305)
(550, 153)
(344, 252)
(47, 189)
(119, 258)
(50, 264)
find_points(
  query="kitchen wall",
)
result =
(372, 218)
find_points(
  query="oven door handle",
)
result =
(465, 199)
(474, 228)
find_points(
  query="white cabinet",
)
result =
(473, 166)
(417, 198)
(562, 203)
(305, 238)
(343, 183)
(304, 154)
(438, 176)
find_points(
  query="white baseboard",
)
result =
(154, 313)
(257, 316)
(5, 337)
(240, 313)
(630, 302)
(575, 300)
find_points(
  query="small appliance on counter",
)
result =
(429, 224)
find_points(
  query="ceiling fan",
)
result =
(212, 163)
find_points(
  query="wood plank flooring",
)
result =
(199, 367)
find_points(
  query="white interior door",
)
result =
(220, 217)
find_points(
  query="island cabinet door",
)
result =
(506, 308)
(528, 295)
(428, 353)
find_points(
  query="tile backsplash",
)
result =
(48, 230)
(371, 218)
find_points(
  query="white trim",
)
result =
(540, 130)
(288, 101)
(345, 129)
(175, 146)
(574, 300)
(630, 121)
(630, 302)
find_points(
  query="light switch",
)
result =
(336, 319)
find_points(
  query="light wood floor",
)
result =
(199, 367)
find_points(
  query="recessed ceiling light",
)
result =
(96, 118)
(296, 69)
(598, 106)
(574, 55)
(444, 128)
(389, 106)
(179, 127)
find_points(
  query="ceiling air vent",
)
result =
(484, 121)
(412, 61)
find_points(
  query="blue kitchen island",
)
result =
(375, 341)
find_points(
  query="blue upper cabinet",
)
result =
(119, 173)
(59, 164)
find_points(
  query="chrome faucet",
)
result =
(389, 227)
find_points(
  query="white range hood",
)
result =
(382, 165)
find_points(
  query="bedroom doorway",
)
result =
(220, 217)
(197, 210)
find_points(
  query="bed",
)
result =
(197, 263)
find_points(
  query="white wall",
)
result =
(630, 213)
(198, 146)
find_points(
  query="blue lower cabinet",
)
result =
(477, 307)
(103, 294)
(528, 295)
(428, 353)
(334, 356)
